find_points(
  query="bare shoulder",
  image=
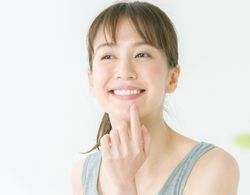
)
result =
(76, 177)
(216, 173)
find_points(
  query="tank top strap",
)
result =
(90, 173)
(176, 182)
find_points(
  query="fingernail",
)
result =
(133, 106)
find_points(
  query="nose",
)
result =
(125, 69)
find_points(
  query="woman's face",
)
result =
(128, 71)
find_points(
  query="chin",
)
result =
(120, 114)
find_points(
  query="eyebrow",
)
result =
(107, 44)
(110, 44)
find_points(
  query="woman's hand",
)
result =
(124, 150)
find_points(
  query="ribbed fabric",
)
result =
(174, 185)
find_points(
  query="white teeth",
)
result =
(126, 92)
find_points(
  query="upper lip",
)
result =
(125, 87)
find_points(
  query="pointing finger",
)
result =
(135, 123)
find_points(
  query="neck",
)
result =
(161, 139)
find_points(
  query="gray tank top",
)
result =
(174, 184)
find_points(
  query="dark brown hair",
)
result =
(152, 24)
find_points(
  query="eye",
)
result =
(142, 55)
(107, 57)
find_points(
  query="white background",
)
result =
(48, 114)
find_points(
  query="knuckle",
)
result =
(116, 157)
(113, 132)
(126, 153)
(120, 128)
(104, 138)
(137, 151)
(123, 125)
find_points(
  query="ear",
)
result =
(90, 77)
(173, 76)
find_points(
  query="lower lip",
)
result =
(127, 97)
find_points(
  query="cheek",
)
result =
(158, 80)
(100, 76)
(157, 74)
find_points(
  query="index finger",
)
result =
(135, 123)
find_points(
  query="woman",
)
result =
(133, 58)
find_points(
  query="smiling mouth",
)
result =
(127, 92)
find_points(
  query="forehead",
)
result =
(123, 31)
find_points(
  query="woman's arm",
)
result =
(76, 178)
(215, 173)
